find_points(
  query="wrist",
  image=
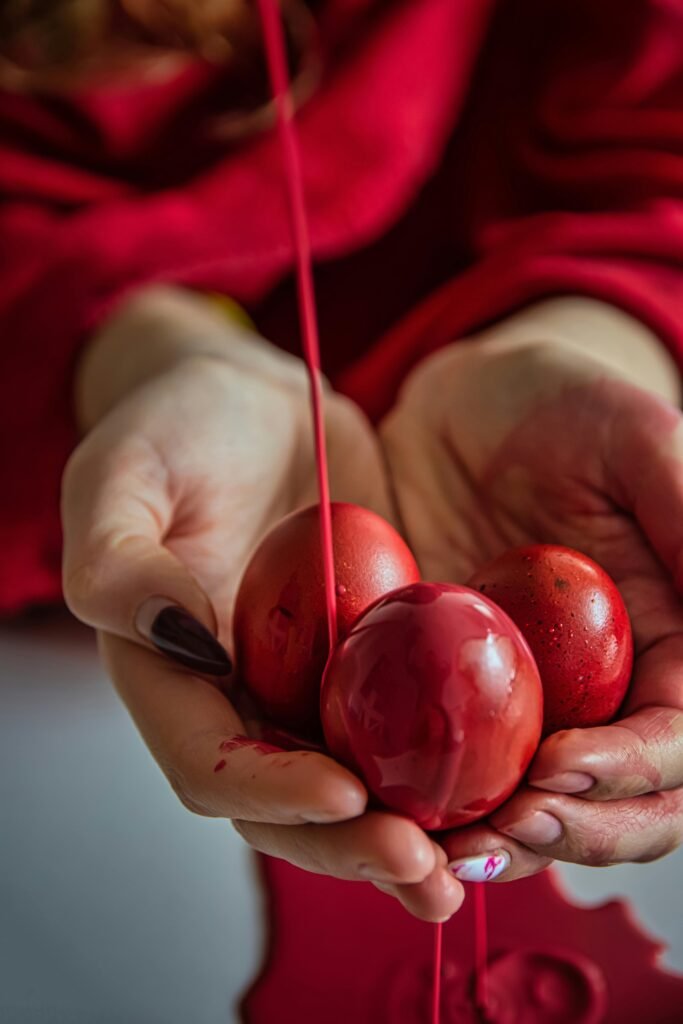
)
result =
(158, 328)
(593, 330)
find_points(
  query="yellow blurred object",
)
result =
(231, 310)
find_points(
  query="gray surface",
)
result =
(116, 905)
(656, 891)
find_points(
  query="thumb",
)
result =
(117, 574)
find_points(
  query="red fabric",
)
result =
(495, 152)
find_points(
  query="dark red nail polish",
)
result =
(179, 635)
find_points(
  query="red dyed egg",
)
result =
(281, 638)
(576, 623)
(434, 700)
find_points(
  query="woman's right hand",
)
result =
(194, 450)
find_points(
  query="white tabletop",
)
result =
(116, 905)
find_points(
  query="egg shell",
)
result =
(434, 700)
(576, 624)
(280, 625)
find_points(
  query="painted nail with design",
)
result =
(483, 868)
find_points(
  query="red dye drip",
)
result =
(436, 994)
(481, 952)
(279, 78)
(277, 69)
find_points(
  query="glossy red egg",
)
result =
(434, 700)
(576, 623)
(281, 639)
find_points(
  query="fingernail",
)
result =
(322, 817)
(483, 868)
(566, 782)
(539, 829)
(175, 632)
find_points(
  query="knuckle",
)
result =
(670, 816)
(81, 584)
(89, 582)
(617, 789)
(292, 844)
(242, 829)
(189, 800)
(595, 841)
(72, 470)
(662, 848)
(645, 829)
(665, 831)
(594, 849)
(306, 848)
(184, 790)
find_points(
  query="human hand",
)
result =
(504, 441)
(194, 449)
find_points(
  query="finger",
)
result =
(658, 671)
(647, 461)
(376, 847)
(435, 899)
(481, 854)
(569, 829)
(198, 740)
(117, 574)
(363, 479)
(641, 754)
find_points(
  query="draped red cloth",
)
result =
(462, 158)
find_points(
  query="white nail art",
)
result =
(481, 869)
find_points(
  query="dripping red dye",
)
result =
(436, 995)
(277, 69)
(481, 951)
(279, 78)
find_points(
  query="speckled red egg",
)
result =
(281, 640)
(434, 700)
(576, 623)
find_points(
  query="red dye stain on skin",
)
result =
(220, 766)
(244, 742)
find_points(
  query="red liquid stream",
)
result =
(279, 78)
(481, 953)
(436, 992)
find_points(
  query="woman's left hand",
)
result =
(501, 442)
